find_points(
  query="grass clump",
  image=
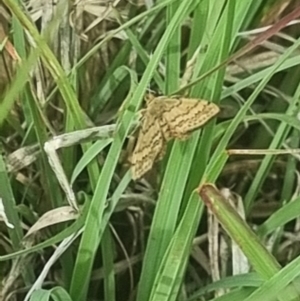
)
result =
(72, 67)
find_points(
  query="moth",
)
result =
(163, 119)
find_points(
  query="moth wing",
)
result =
(165, 129)
(184, 115)
(156, 106)
(149, 147)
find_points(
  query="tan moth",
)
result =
(166, 118)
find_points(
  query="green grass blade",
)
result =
(171, 271)
(89, 241)
(167, 209)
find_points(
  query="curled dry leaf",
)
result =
(166, 118)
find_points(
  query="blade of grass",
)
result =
(9, 203)
(262, 261)
(166, 212)
(200, 20)
(280, 285)
(291, 168)
(282, 216)
(254, 78)
(6, 195)
(173, 53)
(134, 42)
(241, 114)
(171, 272)
(78, 224)
(67, 92)
(90, 238)
(250, 46)
(265, 166)
(215, 54)
(108, 266)
(231, 282)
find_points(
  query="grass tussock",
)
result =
(216, 219)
